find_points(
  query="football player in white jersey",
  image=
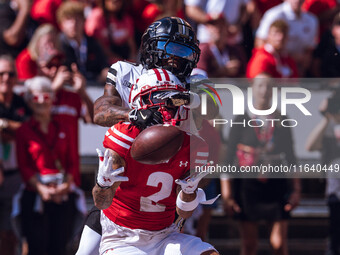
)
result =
(168, 43)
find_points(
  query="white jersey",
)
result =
(123, 75)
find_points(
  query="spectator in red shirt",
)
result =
(13, 111)
(71, 101)
(46, 164)
(162, 8)
(114, 29)
(324, 10)
(271, 58)
(44, 38)
(43, 11)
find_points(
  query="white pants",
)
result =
(118, 240)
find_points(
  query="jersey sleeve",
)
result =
(111, 77)
(259, 63)
(199, 152)
(120, 138)
(268, 18)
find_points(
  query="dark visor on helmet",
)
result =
(177, 49)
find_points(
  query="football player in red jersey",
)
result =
(137, 212)
(168, 43)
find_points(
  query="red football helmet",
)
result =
(154, 89)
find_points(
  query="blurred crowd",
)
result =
(55, 48)
(291, 38)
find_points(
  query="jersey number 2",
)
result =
(150, 203)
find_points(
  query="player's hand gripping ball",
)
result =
(157, 144)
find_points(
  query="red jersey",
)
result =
(38, 152)
(265, 60)
(66, 110)
(317, 7)
(152, 11)
(148, 200)
(26, 66)
(43, 11)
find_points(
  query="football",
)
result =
(157, 144)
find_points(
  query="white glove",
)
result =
(202, 198)
(106, 175)
(189, 184)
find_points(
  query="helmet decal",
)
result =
(149, 91)
(182, 28)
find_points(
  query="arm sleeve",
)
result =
(26, 67)
(267, 19)
(111, 77)
(259, 63)
(120, 138)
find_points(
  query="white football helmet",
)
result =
(154, 89)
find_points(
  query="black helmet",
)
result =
(170, 43)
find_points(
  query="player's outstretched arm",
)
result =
(185, 213)
(108, 109)
(190, 196)
(187, 199)
(111, 166)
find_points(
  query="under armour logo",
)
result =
(185, 164)
(106, 180)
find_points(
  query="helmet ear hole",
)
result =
(149, 61)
